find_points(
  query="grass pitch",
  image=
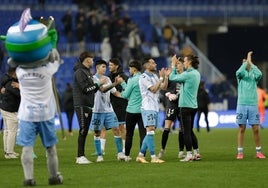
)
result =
(218, 167)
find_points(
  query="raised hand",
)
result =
(162, 72)
(174, 61)
(249, 57)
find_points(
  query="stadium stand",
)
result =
(142, 13)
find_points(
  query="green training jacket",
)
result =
(131, 91)
(247, 84)
(190, 80)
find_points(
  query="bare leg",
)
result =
(256, 135)
(240, 135)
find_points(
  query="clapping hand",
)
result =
(119, 79)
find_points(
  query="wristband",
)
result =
(161, 78)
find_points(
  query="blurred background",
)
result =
(219, 32)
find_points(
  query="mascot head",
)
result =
(29, 42)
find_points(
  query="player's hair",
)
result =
(194, 60)
(85, 55)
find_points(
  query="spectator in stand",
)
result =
(226, 89)
(117, 29)
(94, 29)
(203, 101)
(68, 106)
(67, 21)
(81, 35)
(168, 31)
(215, 88)
(80, 14)
(173, 47)
(146, 49)
(181, 38)
(125, 55)
(80, 28)
(104, 31)
(134, 42)
(42, 4)
(106, 49)
(157, 36)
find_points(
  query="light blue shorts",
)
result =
(107, 120)
(28, 131)
(247, 114)
(149, 118)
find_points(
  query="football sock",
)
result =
(165, 138)
(103, 142)
(123, 145)
(144, 145)
(52, 161)
(189, 153)
(150, 142)
(97, 144)
(258, 149)
(240, 150)
(27, 162)
(118, 142)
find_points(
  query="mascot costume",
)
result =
(31, 46)
(31, 43)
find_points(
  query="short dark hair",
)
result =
(115, 61)
(100, 62)
(135, 64)
(85, 55)
(146, 60)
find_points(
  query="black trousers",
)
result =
(131, 120)
(199, 112)
(187, 123)
(84, 118)
(70, 115)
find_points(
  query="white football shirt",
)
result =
(102, 102)
(150, 100)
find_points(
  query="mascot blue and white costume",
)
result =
(31, 45)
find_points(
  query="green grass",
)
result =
(218, 167)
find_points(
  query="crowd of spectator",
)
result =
(107, 24)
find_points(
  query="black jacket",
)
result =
(118, 102)
(10, 100)
(202, 98)
(84, 87)
(67, 100)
